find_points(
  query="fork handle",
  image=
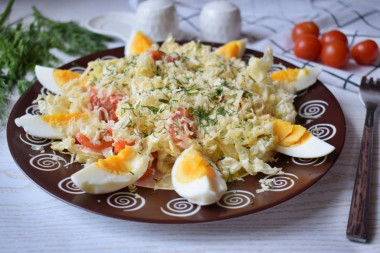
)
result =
(358, 217)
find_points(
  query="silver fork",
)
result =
(357, 226)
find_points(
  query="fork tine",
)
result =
(370, 82)
(365, 82)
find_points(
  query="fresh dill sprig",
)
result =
(6, 12)
(24, 46)
(203, 117)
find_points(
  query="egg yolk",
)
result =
(140, 43)
(231, 49)
(63, 119)
(281, 129)
(288, 75)
(288, 134)
(297, 132)
(303, 139)
(118, 164)
(193, 166)
(63, 76)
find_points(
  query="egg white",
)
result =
(95, 180)
(305, 81)
(46, 77)
(36, 126)
(201, 191)
(127, 48)
(311, 148)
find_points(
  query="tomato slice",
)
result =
(108, 103)
(181, 122)
(148, 172)
(172, 57)
(157, 55)
(120, 145)
(151, 167)
(86, 142)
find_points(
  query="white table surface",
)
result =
(31, 220)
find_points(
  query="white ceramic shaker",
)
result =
(157, 18)
(220, 21)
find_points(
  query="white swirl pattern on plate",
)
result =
(323, 131)
(109, 57)
(236, 199)
(180, 207)
(33, 109)
(35, 141)
(312, 109)
(309, 161)
(276, 67)
(281, 182)
(245, 57)
(67, 185)
(301, 93)
(44, 92)
(48, 162)
(126, 200)
(77, 69)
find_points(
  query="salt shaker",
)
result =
(157, 18)
(220, 21)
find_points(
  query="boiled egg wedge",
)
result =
(138, 42)
(197, 179)
(235, 48)
(54, 79)
(296, 141)
(300, 78)
(46, 126)
(112, 173)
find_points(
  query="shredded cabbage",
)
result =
(229, 103)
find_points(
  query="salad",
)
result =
(183, 117)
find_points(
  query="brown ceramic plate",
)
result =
(318, 111)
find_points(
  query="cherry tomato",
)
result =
(365, 52)
(181, 121)
(307, 47)
(85, 141)
(120, 145)
(303, 28)
(332, 36)
(157, 55)
(335, 54)
(109, 103)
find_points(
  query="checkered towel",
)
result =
(269, 23)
